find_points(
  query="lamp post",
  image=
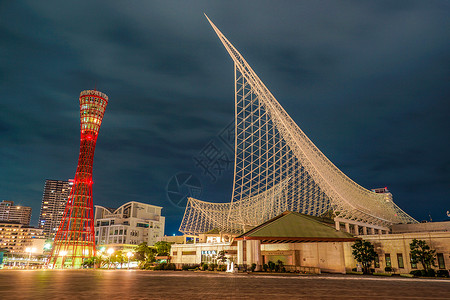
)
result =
(110, 252)
(29, 250)
(63, 254)
(129, 254)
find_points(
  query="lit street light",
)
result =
(63, 254)
(129, 254)
(29, 250)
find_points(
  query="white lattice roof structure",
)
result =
(278, 168)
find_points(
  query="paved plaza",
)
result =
(123, 284)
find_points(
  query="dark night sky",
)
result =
(367, 81)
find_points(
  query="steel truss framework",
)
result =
(278, 168)
(75, 238)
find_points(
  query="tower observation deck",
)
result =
(75, 238)
(278, 168)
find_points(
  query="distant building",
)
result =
(54, 199)
(387, 195)
(15, 238)
(15, 213)
(132, 224)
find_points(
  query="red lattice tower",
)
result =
(75, 239)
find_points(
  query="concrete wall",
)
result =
(421, 227)
(329, 257)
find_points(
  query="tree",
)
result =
(145, 255)
(95, 261)
(162, 248)
(421, 252)
(118, 257)
(364, 252)
(221, 256)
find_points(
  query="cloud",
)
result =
(366, 81)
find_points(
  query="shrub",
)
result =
(253, 267)
(204, 267)
(416, 272)
(160, 266)
(271, 265)
(165, 266)
(382, 274)
(425, 273)
(431, 273)
(222, 268)
(212, 267)
(388, 269)
(279, 266)
(265, 267)
(189, 267)
(442, 273)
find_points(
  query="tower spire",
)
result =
(75, 238)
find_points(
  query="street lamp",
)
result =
(129, 254)
(110, 252)
(62, 253)
(29, 250)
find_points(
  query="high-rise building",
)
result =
(54, 200)
(15, 213)
(75, 238)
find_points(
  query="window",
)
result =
(441, 261)
(377, 261)
(387, 256)
(400, 260)
(413, 265)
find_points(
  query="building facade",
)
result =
(302, 244)
(394, 252)
(15, 213)
(15, 238)
(54, 199)
(132, 223)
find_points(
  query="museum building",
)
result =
(312, 244)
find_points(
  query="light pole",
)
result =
(129, 254)
(29, 250)
(110, 252)
(63, 254)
